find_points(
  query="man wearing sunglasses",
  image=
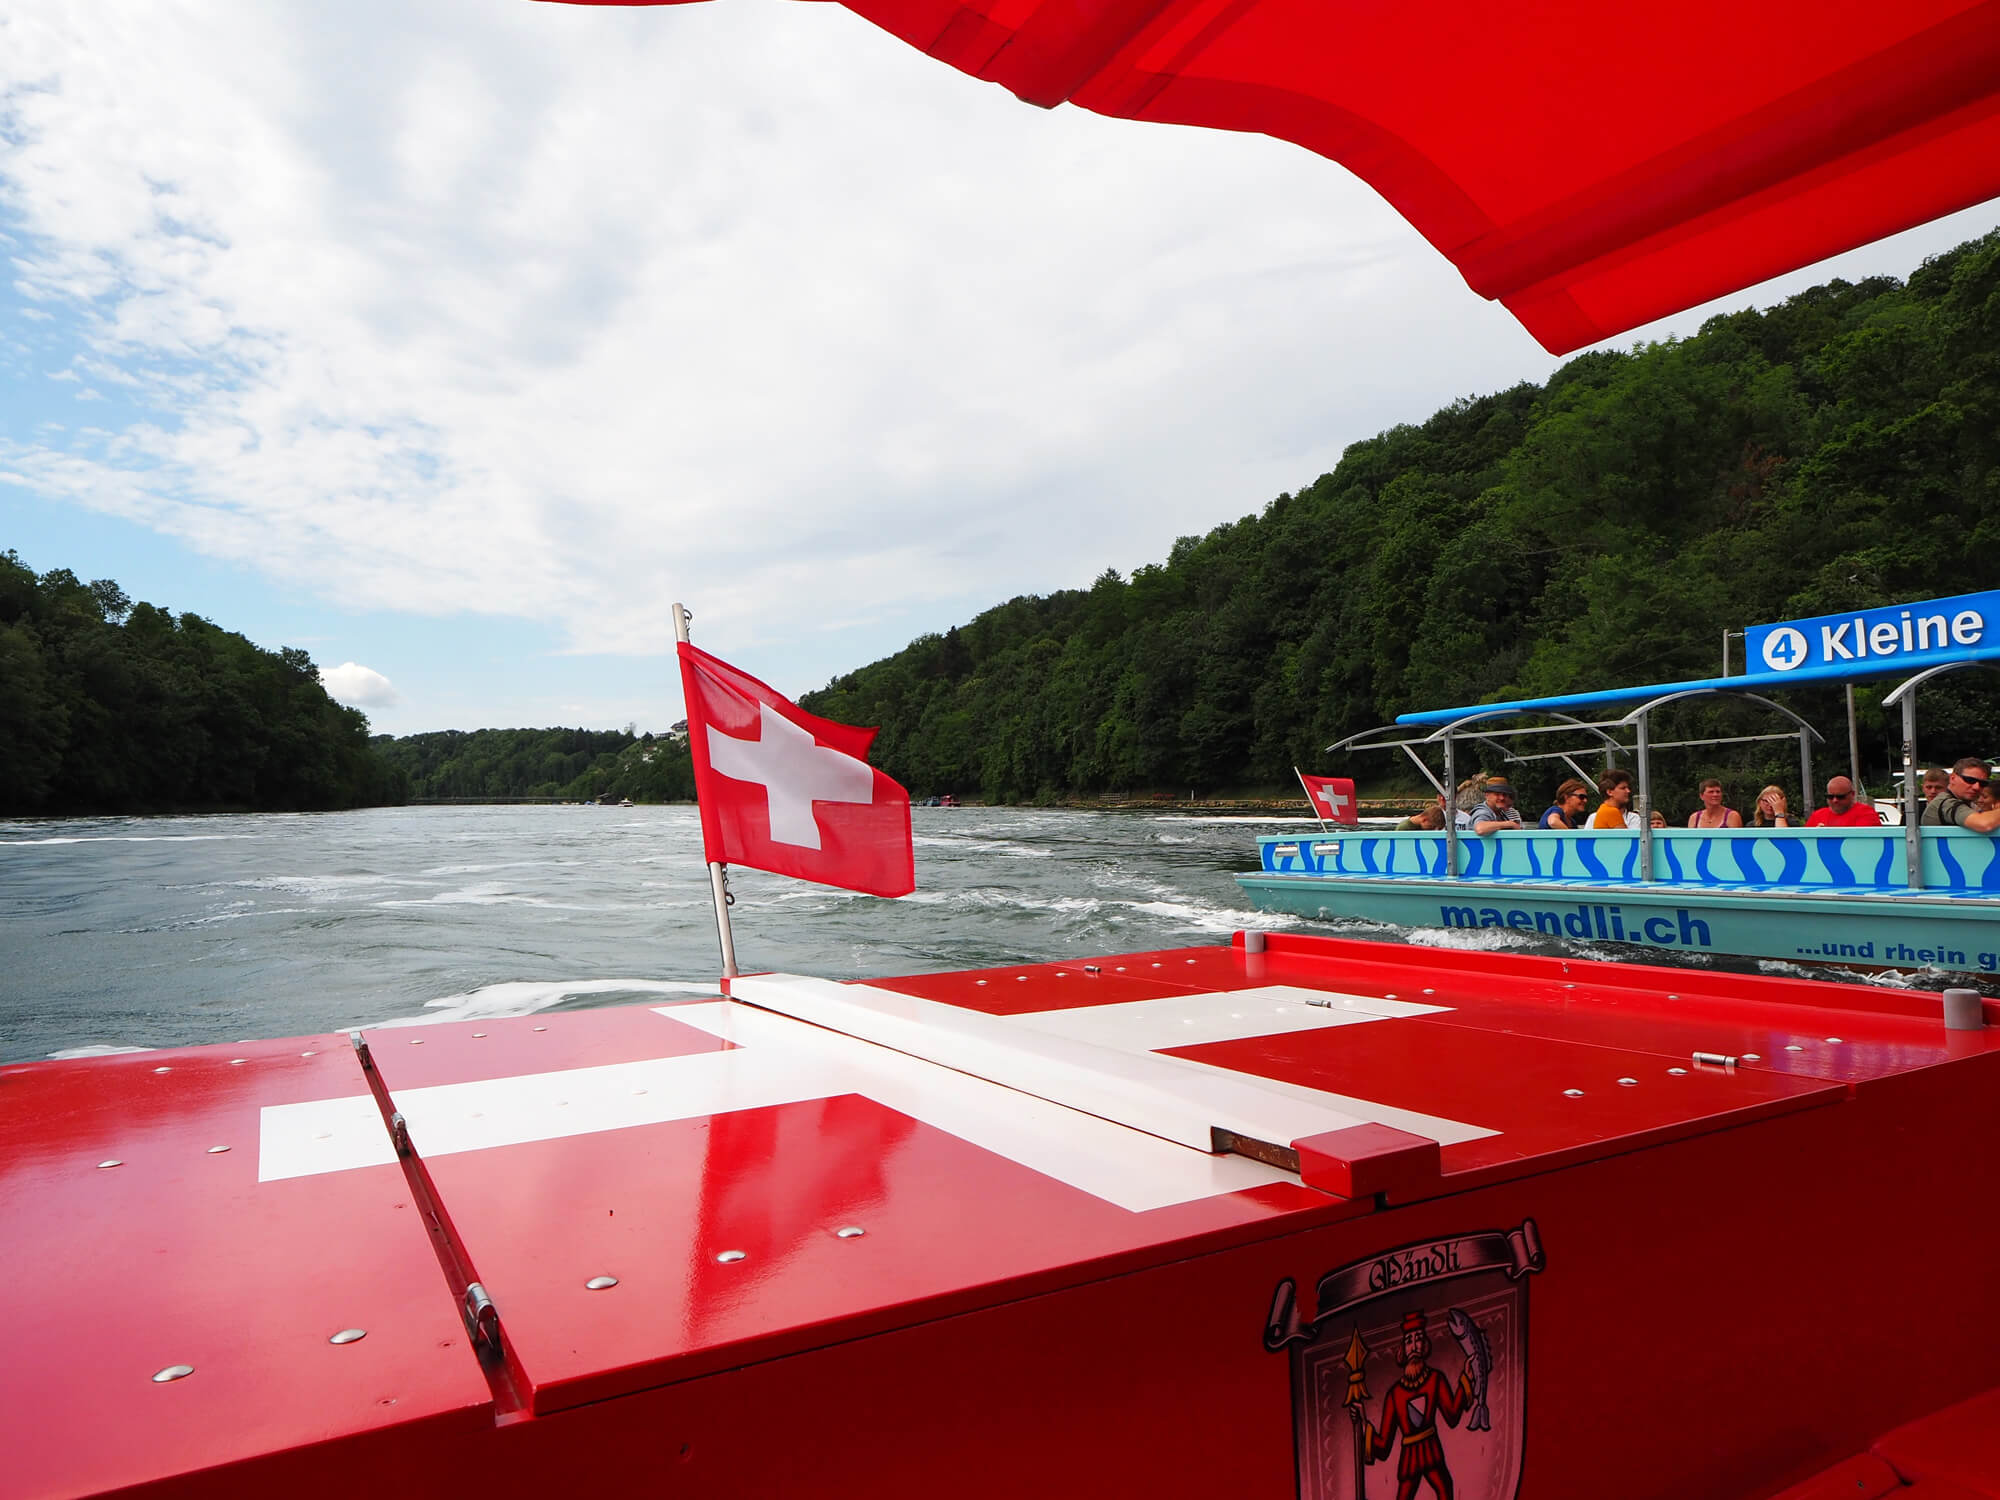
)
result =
(1841, 810)
(1958, 804)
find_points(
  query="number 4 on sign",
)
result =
(1331, 797)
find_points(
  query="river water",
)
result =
(119, 933)
(159, 932)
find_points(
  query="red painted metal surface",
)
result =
(1750, 1273)
(415, 1057)
(180, 1256)
(945, 1224)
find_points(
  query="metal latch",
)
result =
(360, 1044)
(399, 1132)
(482, 1318)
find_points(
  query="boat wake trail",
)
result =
(526, 997)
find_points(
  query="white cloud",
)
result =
(563, 313)
(359, 686)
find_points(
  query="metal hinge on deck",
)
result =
(482, 1319)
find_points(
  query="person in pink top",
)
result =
(1711, 813)
(1841, 810)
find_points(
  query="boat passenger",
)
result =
(1424, 819)
(1841, 810)
(1616, 811)
(1957, 806)
(1934, 782)
(1659, 818)
(1572, 797)
(1470, 792)
(1711, 813)
(1496, 813)
(1772, 808)
(1989, 797)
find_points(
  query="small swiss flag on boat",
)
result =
(1332, 797)
(787, 791)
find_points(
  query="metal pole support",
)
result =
(1450, 809)
(1644, 801)
(1913, 812)
(718, 873)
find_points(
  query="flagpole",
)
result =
(1309, 797)
(718, 872)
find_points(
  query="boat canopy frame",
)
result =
(1905, 695)
(1638, 720)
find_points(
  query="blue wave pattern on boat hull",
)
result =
(1735, 858)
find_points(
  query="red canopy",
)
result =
(1592, 166)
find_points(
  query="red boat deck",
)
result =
(738, 1247)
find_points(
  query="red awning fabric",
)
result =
(1591, 166)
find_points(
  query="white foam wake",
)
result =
(95, 1049)
(525, 997)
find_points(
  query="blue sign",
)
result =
(1917, 634)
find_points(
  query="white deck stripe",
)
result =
(1171, 1097)
(1191, 1020)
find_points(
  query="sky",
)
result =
(453, 342)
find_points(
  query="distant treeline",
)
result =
(1839, 451)
(107, 706)
(576, 764)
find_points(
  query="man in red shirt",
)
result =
(1841, 810)
(1412, 1407)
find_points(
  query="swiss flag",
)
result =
(787, 791)
(1332, 798)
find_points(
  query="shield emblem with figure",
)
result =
(1410, 1377)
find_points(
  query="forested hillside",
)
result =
(1840, 450)
(579, 764)
(111, 706)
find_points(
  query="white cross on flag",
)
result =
(1332, 797)
(787, 791)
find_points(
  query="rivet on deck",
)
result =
(1572, 1093)
(849, 1232)
(600, 1283)
(171, 1372)
(217, 1150)
(348, 1336)
(730, 1257)
(113, 1162)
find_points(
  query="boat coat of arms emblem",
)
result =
(1410, 1379)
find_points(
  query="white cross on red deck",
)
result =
(776, 1059)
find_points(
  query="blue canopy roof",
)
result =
(1749, 682)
